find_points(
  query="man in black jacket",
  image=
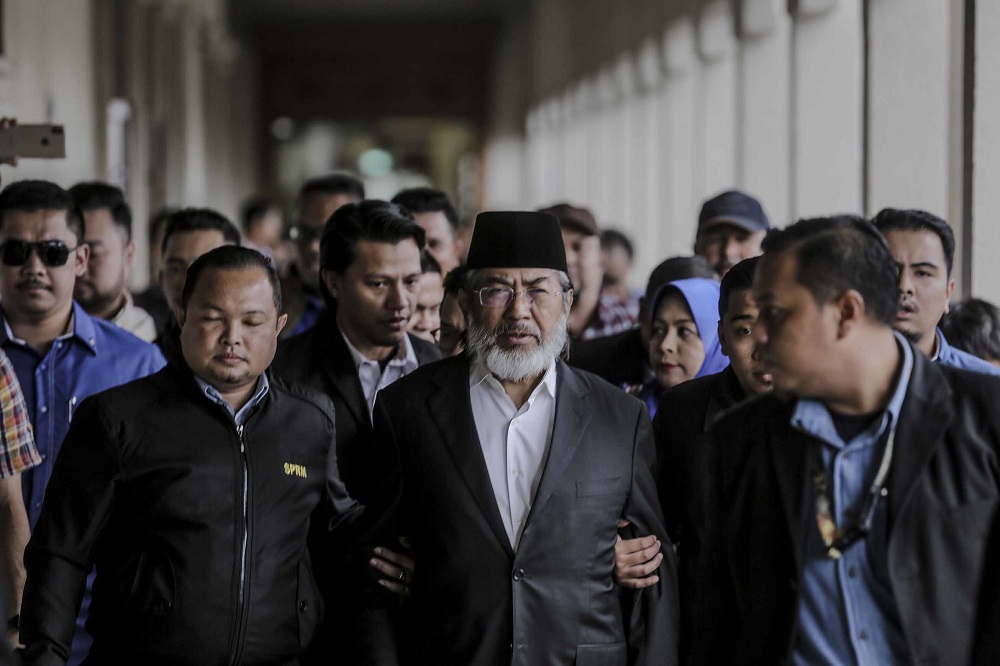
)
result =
(192, 491)
(511, 470)
(848, 510)
(683, 419)
(369, 276)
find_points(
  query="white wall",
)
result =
(747, 95)
(41, 37)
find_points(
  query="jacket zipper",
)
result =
(245, 533)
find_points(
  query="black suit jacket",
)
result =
(479, 603)
(942, 492)
(683, 419)
(620, 358)
(319, 359)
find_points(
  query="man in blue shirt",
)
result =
(847, 510)
(924, 248)
(60, 354)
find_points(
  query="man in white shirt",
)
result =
(511, 471)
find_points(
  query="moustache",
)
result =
(32, 284)
(508, 329)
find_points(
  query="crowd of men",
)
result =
(361, 439)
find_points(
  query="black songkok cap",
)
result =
(517, 240)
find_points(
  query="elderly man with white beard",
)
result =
(511, 471)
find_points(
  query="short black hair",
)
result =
(159, 219)
(678, 268)
(427, 200)
(897, 219)
(428, 264)
(454, 279)
(844, 253)
(370, 220)
(200, 219)
(739, 278)
(254, 209)
(31, 196)
(96, 195)
(973, 325)
(335, 183)
(612, 237)
(232, 258)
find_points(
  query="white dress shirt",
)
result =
(515, 442)
(374, 378)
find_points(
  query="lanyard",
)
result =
(838, 540)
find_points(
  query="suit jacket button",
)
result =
(303, 606)
(518, 574)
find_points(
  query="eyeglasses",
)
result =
(502, 297)
(305, 233)
(51, 252)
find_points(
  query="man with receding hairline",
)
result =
(832, 532)
(193, 490)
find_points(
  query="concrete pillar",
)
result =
(625, 186)
(716, 46)
(909, 107)
(680, 200)
(647, 227)
(764, 104)
(828, 103)
(985, 241)
(48, 75)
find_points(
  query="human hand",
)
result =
(396, 567)
(636, 559)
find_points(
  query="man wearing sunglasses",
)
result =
(60, 354)
(847, 510)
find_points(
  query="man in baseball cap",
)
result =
(731, 227)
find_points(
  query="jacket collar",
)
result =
(82, 329)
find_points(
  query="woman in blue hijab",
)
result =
(685, 341)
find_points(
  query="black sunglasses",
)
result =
(51, 252)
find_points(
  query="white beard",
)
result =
(515, 365)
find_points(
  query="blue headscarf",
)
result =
(702, 297)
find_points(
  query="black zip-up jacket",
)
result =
(197, 528)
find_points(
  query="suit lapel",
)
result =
(925, 414)
(338, 365)
(790, 456)
(572, 417)
(451, 410)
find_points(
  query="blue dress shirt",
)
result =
(956, 358)
(240, 417)
(847, 612)
(93, 357)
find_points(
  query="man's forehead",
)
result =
(918, 245)
(775, 272)
(206, 239)
(525, 274)
(50, 219)
(741, 303)
(238, 284)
